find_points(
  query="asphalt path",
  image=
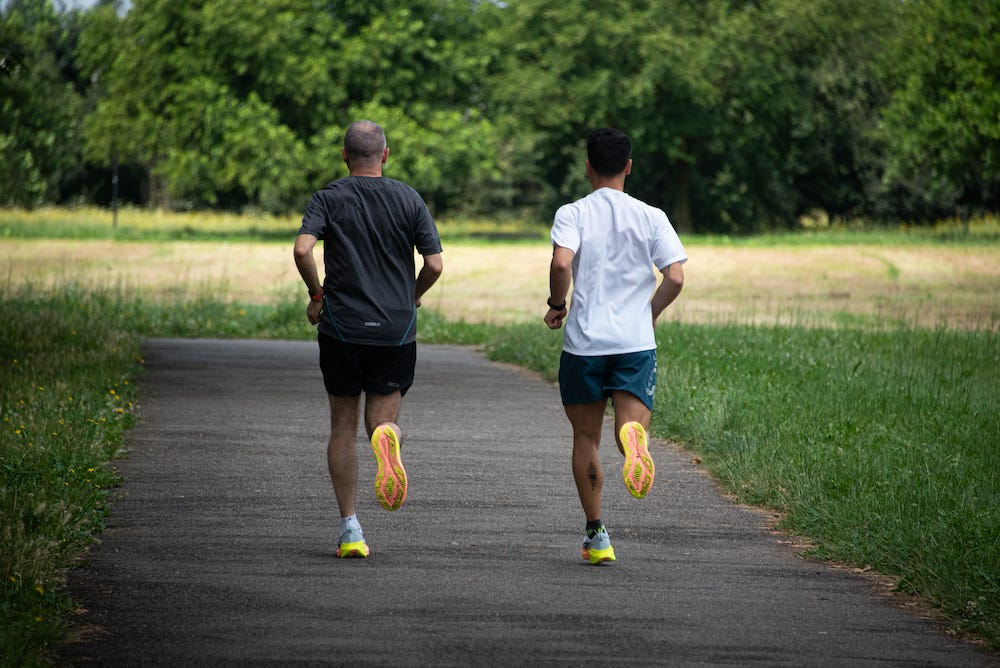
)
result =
(219, 550)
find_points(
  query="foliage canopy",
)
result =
(744, 116)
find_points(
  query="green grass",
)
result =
(882, 446)
(134, 224)
(65, 401)
(131, 224)
(974, 231)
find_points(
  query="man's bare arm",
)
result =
(670, 287)
(428, 275)
(560, 279)
(306, 264)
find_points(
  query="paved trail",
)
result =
(220, 550)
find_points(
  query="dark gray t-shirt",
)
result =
(369, 226)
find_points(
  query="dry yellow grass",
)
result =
(924, 284)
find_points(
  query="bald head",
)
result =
(364, 142)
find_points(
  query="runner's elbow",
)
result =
(433, 265)
(674, 275)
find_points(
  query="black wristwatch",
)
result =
(555, 307)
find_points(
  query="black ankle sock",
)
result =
(593, 527)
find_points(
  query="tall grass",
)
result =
(66, 397)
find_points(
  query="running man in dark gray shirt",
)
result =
(366, 309)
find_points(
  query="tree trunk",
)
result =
(156, 195)
(681, 217)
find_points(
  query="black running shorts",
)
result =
(352, 368)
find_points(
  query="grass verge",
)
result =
(65, 400)
(881, 446)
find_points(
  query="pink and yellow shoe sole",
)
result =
(390, 480)
(638, 470)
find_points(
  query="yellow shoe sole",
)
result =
(358, 550)
(638, 470)
(390, 480)
(598, 556)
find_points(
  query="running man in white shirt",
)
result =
(606, 245)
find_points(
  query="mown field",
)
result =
(855, 283)
(845, 381)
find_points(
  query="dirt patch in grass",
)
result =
(920, 284)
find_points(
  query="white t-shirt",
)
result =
(616, 240)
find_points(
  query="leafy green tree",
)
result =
(40, 109)
(743, 115)
(417, 68)
(556, 72)
(194, 92)
(246, 100)
(796, 97)
(942, 124)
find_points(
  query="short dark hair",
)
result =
(608, 151)
(364, 140)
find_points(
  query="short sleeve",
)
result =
(666, 247)
(427, 241)
(314, 219)
(565, 231)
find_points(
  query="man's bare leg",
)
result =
(380, 409)
(341, 452)
(628, 408)
(587, 421)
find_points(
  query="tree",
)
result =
(179, 95)
(417, 67)
(40, 110)
(743, 115)
(942, 124)
(556, 72)
(796, 97)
